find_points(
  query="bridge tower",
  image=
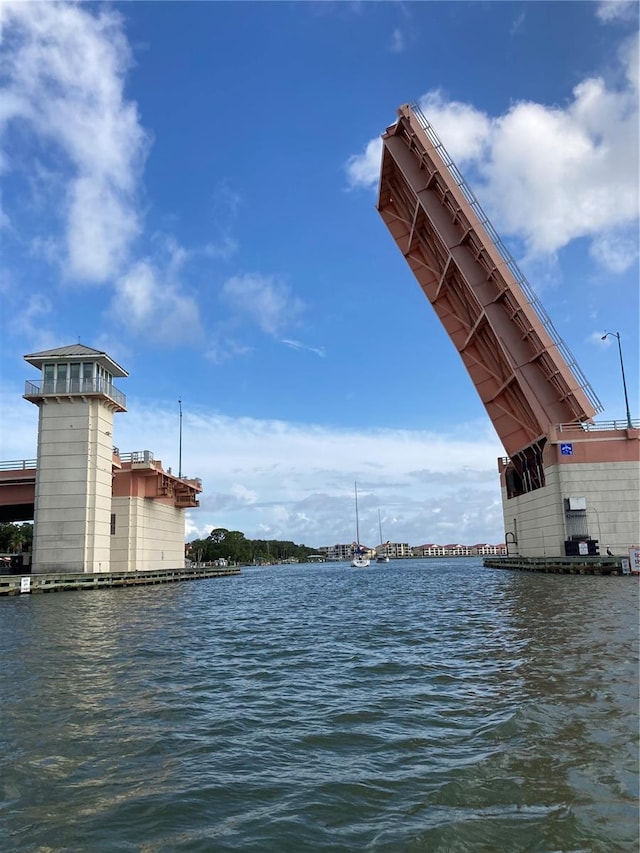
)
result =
(567, 483)
(73, 490)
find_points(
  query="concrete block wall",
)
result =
(612, 493)
(73, 487)
(149, 535)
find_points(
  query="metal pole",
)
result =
(624, 381)
(180, 449)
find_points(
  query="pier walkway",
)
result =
(562, 565)
(25, 583)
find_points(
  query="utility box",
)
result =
(577, 503)
(581, 548)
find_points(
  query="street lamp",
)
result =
(624, 383)
(180, 446)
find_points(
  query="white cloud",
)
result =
(363, 170)
(222, 347)
(558, 174)
(295, 481)
(225, 205)
(616, 10)
(63, 72)
(615, 250)
(297, 345)
(548, 174)
(517, 25)
(397, 41)
(146, 302)
(464, 130)
(29, 319)
(223, 249)
(264, 300)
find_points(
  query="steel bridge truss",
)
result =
(522, 370)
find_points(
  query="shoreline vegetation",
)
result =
(232, 547)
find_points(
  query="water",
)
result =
(412, 706)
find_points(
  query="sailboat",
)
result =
(360, 559)
(382, 556)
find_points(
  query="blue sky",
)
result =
(191, 187)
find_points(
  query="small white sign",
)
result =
(583, 548)
(634, 560)
(25, 584)
(626, 568)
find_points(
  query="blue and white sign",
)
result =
(566, 449)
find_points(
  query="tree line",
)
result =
(221, 544)
(15, 538)
(232, 545)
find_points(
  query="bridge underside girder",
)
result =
(523, 381)
(16, 512)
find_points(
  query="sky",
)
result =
(191, 188)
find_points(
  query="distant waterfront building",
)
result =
(95, 509)
(401, 550)
(484, 550)
(428, 550)
(398, 550)
(342, 552)
(455, 550)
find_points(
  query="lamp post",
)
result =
(180, 443)
(624, 382)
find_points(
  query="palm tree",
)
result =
(18, 536)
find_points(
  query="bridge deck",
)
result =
(522, 370)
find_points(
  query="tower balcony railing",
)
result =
(74, 387)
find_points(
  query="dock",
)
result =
(61, 582)
(562, 565)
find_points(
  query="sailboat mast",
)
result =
(380, 526)
(357, 521)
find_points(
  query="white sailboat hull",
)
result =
(359, 561)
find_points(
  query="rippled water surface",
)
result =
(412, 706)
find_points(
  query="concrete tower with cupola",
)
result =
(73, 493)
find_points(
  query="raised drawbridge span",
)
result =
(525, 375)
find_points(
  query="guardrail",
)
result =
(19, 465)
(137, 456)
(598, 426)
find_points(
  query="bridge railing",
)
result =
(137, 456)
(598, 426)
(18, 465)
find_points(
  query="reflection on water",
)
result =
(424, 705)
